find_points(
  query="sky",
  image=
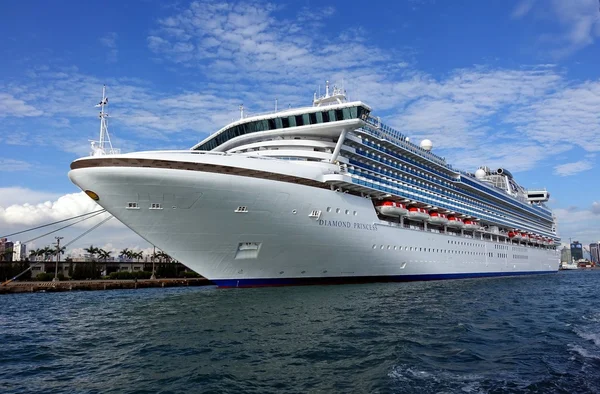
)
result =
(502, 83)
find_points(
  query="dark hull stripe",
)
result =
(229, 283)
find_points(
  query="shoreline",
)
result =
(100, 284)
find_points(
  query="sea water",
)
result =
(536, 334)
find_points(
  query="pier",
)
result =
(87, 285)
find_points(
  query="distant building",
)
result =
(6, 248)
(595, 252)
(19, 251)
(576, 251)
(565, 255)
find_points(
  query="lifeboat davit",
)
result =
(437, 218)
(453, 221)
(391, 208)
(471, 224)
(418, 213)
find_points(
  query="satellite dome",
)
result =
(426, 145)
(480, 173)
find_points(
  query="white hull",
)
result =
(199, 226)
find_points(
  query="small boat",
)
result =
(453, 221)
(568, 266)
(525, 237)
(391, 208)
(437, 218)
(418, 213)
(471, 224)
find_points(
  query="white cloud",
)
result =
(14, 165)
(522, 8)
(109, 41)
(596, 208)
(30, 214)
(18, 195)
(578, 20)
(11, 106)
(572, 168)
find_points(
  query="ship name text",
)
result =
(345, 224)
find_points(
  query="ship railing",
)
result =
(387, 133)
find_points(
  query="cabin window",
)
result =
(313, 118)
(306, 119)
(319, 117)
(285, 122)
(332, 117)
(278, 123)
(325, 116)
(299, 120)
(292, 120)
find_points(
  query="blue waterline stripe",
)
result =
(362, 279)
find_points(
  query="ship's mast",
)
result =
(103, 145)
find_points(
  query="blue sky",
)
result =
(498, 83)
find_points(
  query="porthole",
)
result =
(355, 213)
(347, 212)
(294, 211)
(374, 246)
(328, 209)
(337, 210)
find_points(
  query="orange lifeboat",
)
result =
(419, 214)
(437, 218)
(453, 221)
(471, 224)
(515, 235)
(391, 208)
(525, 237)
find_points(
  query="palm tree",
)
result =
(33, 253)
(47, 252)
(126, 254)
(92, 251)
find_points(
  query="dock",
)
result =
(88, 285)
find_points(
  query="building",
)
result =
(565, 255)
(19, 251)
(6, 248)
(595, 252)
(576, 251)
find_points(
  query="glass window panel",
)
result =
(325, 116)
(346, 113)
(272, 124)
(305, 119)
(313, 118)
(354, 112)
(332, 117)
(339, 114)
(292, 120)
(285, 122)
(299, 120)
(278, 123)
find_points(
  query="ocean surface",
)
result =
(538, 334)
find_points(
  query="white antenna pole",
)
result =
(275, 105)
(327, 89)
(102, 127)
(242, 111)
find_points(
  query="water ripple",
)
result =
(510, 335)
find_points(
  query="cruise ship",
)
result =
(322, 194)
